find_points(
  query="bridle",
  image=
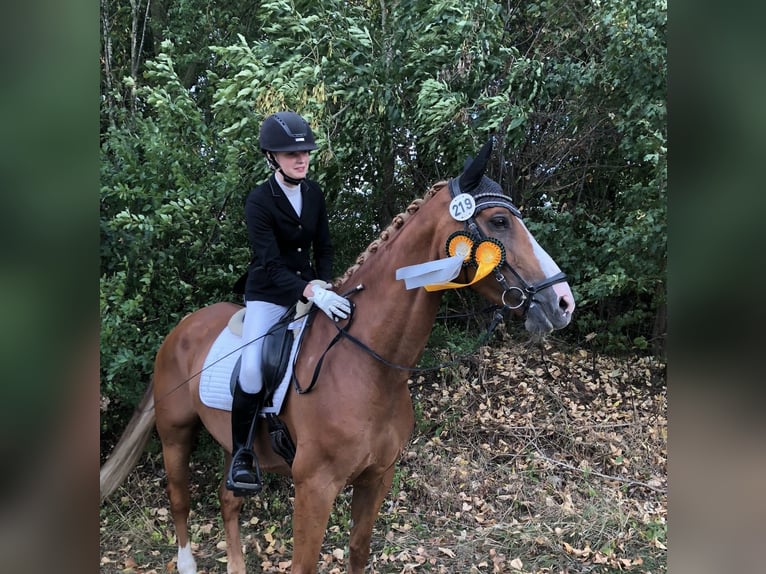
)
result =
(527, 291)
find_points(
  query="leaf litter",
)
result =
(525, 459)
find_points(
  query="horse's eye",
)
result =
(499, 222)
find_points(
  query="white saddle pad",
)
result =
(215, 380)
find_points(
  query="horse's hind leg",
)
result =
(230, 509)
(176, 449)
(365, 503)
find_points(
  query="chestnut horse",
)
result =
(353, 425)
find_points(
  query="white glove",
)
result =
(334, 306)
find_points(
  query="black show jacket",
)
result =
(282, 243)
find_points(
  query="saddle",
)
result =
(275, 357)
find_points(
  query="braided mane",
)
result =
(384, 236)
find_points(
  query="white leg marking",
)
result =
(186, 563)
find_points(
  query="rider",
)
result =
(287, 221)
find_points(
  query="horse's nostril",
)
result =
(566, 304)
(566, 299)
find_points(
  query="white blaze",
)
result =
(549, 267)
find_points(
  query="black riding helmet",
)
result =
(286, 131)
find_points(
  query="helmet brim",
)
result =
(292, 147)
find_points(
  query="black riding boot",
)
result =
(244, 475)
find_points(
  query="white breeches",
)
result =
(260, 316)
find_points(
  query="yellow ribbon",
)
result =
(488, 255)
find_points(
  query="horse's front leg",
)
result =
(365, 502)
(314, 497)
(230, 509)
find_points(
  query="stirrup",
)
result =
(244, 488)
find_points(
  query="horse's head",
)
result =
(503, 261)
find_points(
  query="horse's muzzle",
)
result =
(550, 309)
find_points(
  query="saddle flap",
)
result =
(275, 353)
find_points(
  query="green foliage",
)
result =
(398, 94)
(171, 227)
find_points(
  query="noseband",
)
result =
(526, 292)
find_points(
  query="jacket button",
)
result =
(299, 250)
(298, 273)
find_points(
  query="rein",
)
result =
(343, 332)
(355, 341)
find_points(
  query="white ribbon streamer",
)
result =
(439, 271)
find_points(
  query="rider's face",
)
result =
(295, 164)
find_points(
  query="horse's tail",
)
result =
(130, 446)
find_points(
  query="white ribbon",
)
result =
(430, 272)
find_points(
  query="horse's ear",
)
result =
(474, 169)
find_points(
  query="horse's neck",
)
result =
(394, 313)
(394, 321)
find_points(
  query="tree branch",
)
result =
(600, 475)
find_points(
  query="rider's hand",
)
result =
(334, 306)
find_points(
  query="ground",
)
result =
(525, 459)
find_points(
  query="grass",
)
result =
(523, 461)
